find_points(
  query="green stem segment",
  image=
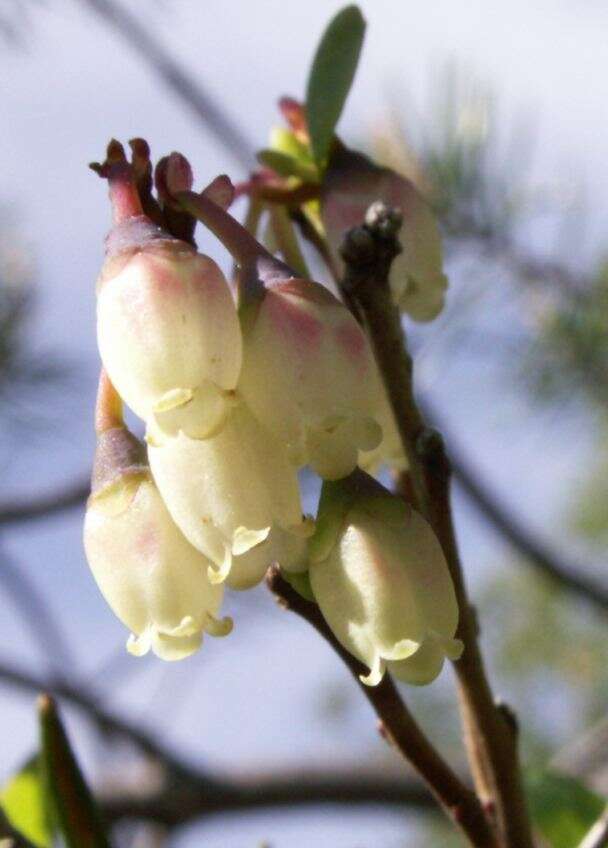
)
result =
(490, 736)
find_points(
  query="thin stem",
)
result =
(286, 240)
(490, 733)
(243, 247)
(189, 792)
(398, 726)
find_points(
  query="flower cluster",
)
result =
(237, 393)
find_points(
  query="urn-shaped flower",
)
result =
(380, 578)
(309, 376)
(352, 183)
(169, 336)
(235, 497)
(152, 578)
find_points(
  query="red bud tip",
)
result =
(120, 175)
(221, 191)
(172, 174)
(295, 115)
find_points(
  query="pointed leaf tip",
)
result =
(331, 77)
(70, 803)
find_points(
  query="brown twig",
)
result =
(178, 804)
(189, 792)
(491, 740)
(398, 726)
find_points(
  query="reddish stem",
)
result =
(245, 249)
(108, 407)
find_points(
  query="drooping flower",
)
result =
(235, 497)
(351, 184)
(310, 377)
(167, 327)
(152, 578)
(382, 583)
(308, 372)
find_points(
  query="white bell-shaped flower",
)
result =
(351, 185)
(169, 336)
(235, 497)
(382, 583)
(309, 376)
(150, 575)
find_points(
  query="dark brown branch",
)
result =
(368, 252)
(151, 50)
(178, 804)
(190, 792)
(397, 725)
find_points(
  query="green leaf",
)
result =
(561, 807)
(331, 76)
(69, 800)
(288, 166)
(22, 800)
(286, 141)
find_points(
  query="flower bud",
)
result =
(309, 376)
(382, 583)
(235, 497)
(352, 183)
(153, 579)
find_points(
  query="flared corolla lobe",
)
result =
(235, 497)
(153, 579)
(352, 183)
(310, 377)
(381, 581)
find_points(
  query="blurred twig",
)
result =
(176, 805)
(189, 792)
(67, 497)
(151, 50)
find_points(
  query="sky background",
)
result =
(63, 95)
